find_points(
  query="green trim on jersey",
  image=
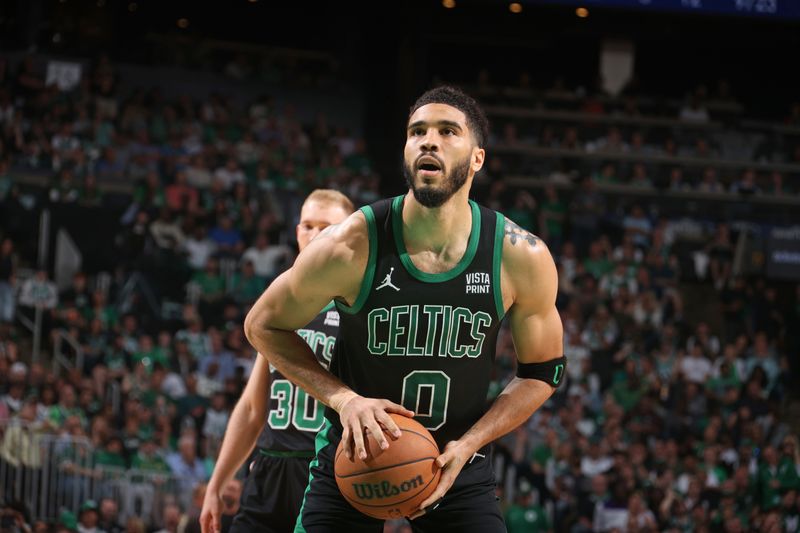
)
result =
(497, 260)
(328, 307)
(369, 273)
(319, 442)
(469, 254)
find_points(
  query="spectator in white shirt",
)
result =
(166, 232)
(229, 174)
(197, 173)
(694, 111)
(266, 259)
(696, 367)
(199, 248)
(39, 291)
(596, 462)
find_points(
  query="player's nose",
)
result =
(430, 143)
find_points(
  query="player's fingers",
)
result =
(204, 522)
(207, 521)
(445, 482)
(347, 442)
(443, 459)
(424, 510)
(377, 431)
(358, 439)
(397, 408)
(217, 522)
(389, 424)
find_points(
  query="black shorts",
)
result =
(272, 495)
(470, 506)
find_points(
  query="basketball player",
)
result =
(274, 488)
(422, 282)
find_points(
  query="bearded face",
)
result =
(440, 155)
(434, 194)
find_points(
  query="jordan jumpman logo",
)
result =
(387, 282)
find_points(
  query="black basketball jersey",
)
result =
(426, 341)
(294, 416)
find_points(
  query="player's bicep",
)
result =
(537, 336)
(290, 302)
(535, 323)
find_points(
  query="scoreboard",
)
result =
(775, 9)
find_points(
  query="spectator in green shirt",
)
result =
(524, 516)
(773, 476)
(66, 407)
(523, 211)
(247, 286)
(148, 354)
(110, 454)
(210, 282)
(598, 263)
(147, 458)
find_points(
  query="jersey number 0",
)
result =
(427, 393)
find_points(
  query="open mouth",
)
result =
(429, 165)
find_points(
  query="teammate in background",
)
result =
(422, 282)
(274, 488)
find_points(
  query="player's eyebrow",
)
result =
(441, 123)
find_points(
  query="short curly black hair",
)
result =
(455, 97)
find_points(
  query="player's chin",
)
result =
(431, 184)
(430, 179)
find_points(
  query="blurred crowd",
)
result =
(673, 416)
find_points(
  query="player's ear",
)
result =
(478, 156)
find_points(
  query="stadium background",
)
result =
(148, 151)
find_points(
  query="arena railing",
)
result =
(50, 473)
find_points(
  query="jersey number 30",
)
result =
(427, 393)
(295, 407)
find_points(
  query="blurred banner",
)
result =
(759, 8)
(783, 253)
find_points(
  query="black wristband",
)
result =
(551, 372)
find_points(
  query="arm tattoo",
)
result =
(515, 233)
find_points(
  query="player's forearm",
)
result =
(518, 401)
(294, 359)
(244, 426)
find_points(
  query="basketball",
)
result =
(390, 483)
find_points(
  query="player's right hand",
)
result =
(359, 415)
(210, 521)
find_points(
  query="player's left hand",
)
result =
(451, 461)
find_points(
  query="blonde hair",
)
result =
(331, 196)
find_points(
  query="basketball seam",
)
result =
(362, 472)
(389, 504)
(423, 436)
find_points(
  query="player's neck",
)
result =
(437, 229)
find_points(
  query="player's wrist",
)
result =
(214, 488)
(470, 443)
(340, 400)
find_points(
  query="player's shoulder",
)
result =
(528, 269)
(522, 249)
(343, 241)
